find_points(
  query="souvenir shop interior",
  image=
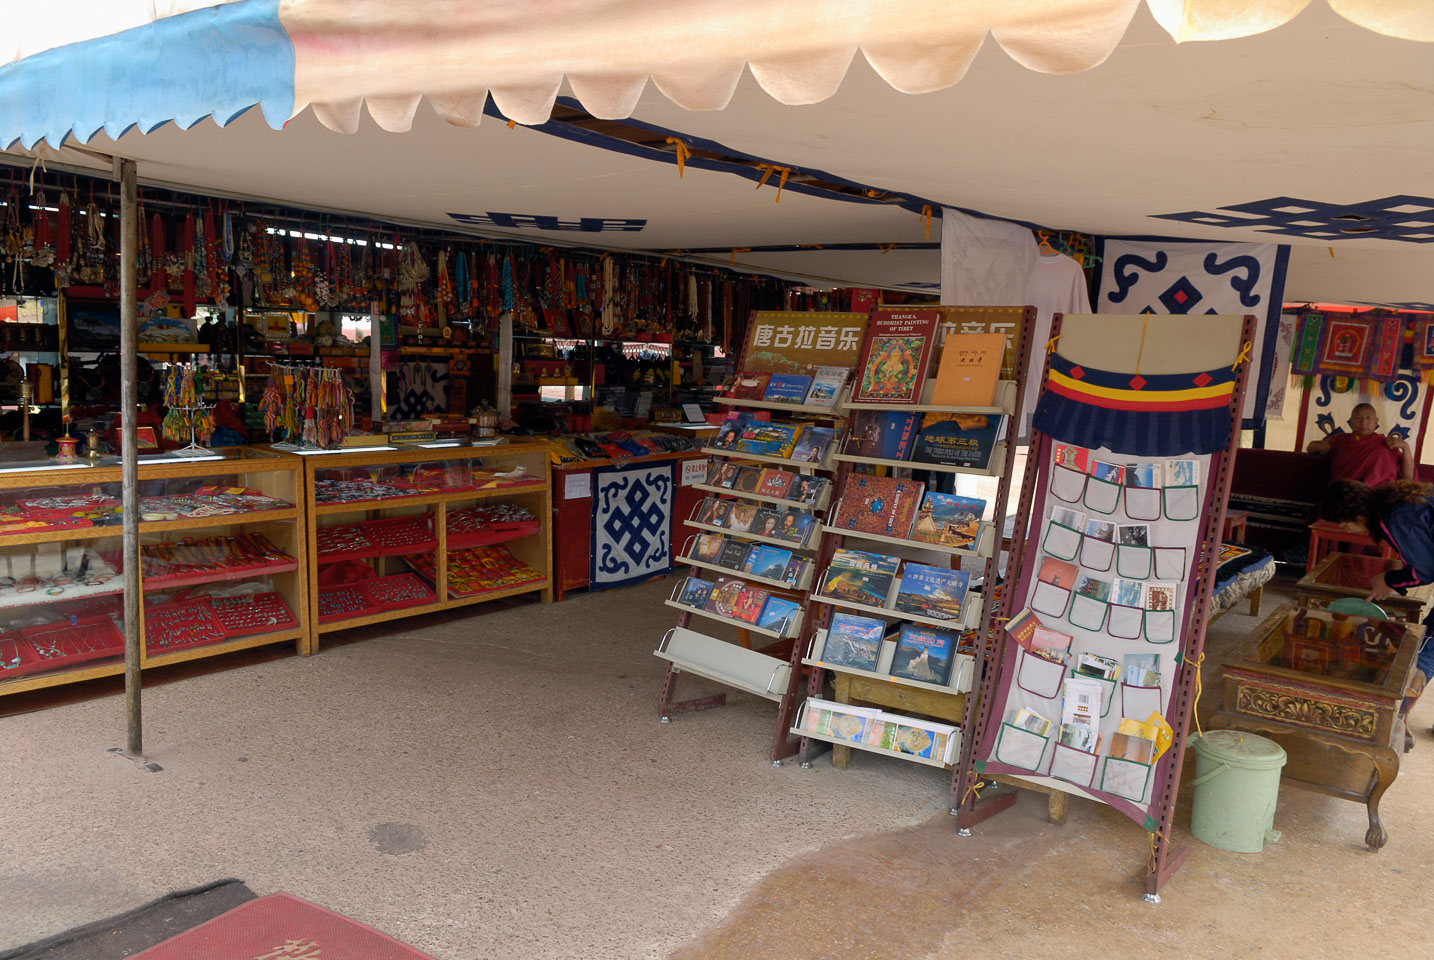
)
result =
(984, 539)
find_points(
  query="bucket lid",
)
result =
(1239, 749)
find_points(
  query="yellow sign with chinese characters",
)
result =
(799, 342)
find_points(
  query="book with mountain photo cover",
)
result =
(853, 641)
(923, 653)
(934, 592)
(857, 576)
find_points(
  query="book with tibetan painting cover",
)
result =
(749, 386)
(895, 355)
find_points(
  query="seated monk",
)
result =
(1364, 455)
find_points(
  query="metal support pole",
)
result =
(129, 470)
(505, 366)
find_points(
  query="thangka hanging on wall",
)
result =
(1197, 278)
(1399, 405)
(1422, 354)
(1360, 345)
(632, 525)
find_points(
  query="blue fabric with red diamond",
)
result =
(1153, 415)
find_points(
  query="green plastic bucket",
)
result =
(1237, 781)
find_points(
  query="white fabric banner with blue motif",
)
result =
(1196, 277)
(632, 524)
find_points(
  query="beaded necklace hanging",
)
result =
(187, 417)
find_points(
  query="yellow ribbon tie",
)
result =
(682, 154)
(512, 124)
(770, 168)
(1051, 344)
(1195, 707)
(887, 247)
(1244, 355)
(926, 219)
(737, 250)
(973, 790)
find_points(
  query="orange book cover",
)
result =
(970, 366)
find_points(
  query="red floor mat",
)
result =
(281, 927)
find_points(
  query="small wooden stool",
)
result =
(1236, 526)
(1324, 534)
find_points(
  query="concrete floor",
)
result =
(495, 784)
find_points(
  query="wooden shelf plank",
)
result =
(426, 499)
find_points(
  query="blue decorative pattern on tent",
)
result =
(1152, 275)
(217, 61)
(1406, 218)
(632, 524)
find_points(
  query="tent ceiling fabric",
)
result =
(335, 54)
(1317, 110)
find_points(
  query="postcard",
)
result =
(1133, 535)
(1093, 587)
(1100, 530)
(1182, 473)
(1128, 593)
(1058, 573)
(1109, 472)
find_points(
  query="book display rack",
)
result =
(1090, 687)
(758, 536)
(899, 625)
(432, 526)
(222, 554)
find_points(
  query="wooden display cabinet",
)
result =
(1340, 575)
(1331, 696)
(62, 583)
(376, 489)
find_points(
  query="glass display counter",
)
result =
(221, 562)
(400, 531)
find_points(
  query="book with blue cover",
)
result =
(695, 592)
(858, 576)
(775, 613)
(881, 434)
(853, 641)
(768, 438)
(787, 388)
(949, 520)
(957, 439)
(766, 561)
(811, 446)
(933, 592)
(923, 653)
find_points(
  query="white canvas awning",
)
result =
(1313, 112)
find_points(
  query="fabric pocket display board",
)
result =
(1126, 778)
(1133, 562)
(1050, 599)
(1074, 766)
(1040, 677)
(1095, 553)
(1102, 496)
(1087, 612)
(1170, 563)
(1142, 503)
(1061, 541)
(1020, 748)
(1067, 484)
(1160, 626)
(1182, 503)
(1126, 623)
(1138, 703)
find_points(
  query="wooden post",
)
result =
(505, 366)
(129, 451)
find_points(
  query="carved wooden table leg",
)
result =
(1386, 768)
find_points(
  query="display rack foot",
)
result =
(996, 799)
(144, 764)
(1166, 866)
